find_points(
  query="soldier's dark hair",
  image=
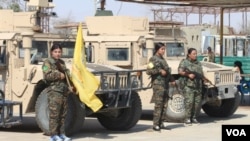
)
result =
(209, 49)
(56, 46)
(239, 65)
(158, 46)
(190, 50)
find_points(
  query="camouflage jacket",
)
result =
(156, 63)
(52, 74)
(211, 57)
(192, 66)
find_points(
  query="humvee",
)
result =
(117, 41)
(220, 97)
(117, 50)
(25, 42)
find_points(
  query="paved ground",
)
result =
(208, 130)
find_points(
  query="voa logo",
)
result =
(236, 132)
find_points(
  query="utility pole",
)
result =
(95, 3)
(102, 4)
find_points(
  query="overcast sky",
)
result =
(79, 9)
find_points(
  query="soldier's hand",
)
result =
(73, 89)
(62, 76)
(191, 76)
(163, 72)
(173, 83)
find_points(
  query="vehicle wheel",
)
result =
(226, 108)
(78, 113)
(74, 119)
(122, 119)
(176, 107)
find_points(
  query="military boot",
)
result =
(65, 138)
(55, 138)
(187, 122)
(163, 126)
(156, 128)
(194, 120)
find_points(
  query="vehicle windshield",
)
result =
(118, 54)
(41, 48)
(68, 49)
(175, 49)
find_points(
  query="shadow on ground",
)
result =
(93, 128)
(203, 118)
(29, 125)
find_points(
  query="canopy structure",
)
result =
(198, 3)
(222, 5)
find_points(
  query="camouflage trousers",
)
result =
(192, 100)
(57, 104)
(161, 102)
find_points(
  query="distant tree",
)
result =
(244, 29)
(15, 5)
(160, 13)
(64, 21)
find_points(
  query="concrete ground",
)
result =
(208, 130)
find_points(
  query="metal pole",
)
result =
(243, 19)
(215, 18)
(221, 35)
(200, 21)
(229, 18)
(246, 19)
(186, 19)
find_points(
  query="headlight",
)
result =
(217, 78)
(105, 83)
(134, 82)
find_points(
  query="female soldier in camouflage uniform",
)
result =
(54, 71)
(160, 75)
(192, 85)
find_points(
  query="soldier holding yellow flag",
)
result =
(54, 70)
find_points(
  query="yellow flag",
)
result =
(84, 81)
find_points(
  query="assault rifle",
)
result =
(69, 82)
(198, 76)
(165, 98)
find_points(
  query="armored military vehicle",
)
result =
(220, 97)
(117, 50)
(25, 42)
(129, 43)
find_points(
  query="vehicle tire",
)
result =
(176, 107)
(78, 113)
(122, 119)
(226, 108)
(74, 119)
